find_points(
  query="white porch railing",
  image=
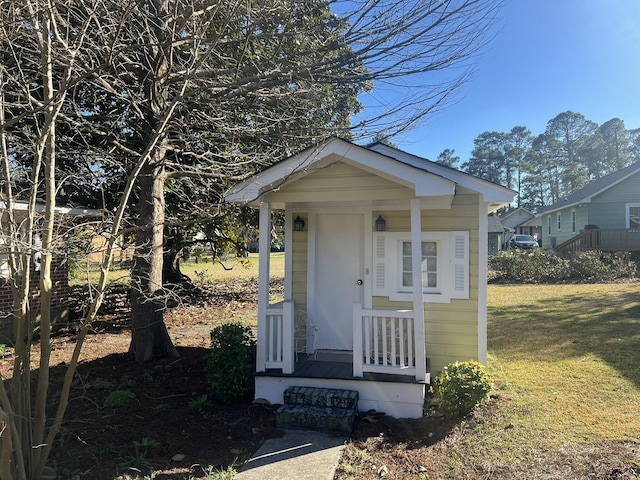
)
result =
(277, 344)
(383, 341)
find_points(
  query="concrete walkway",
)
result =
(298, 455)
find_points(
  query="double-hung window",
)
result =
(444, 265)
(633, 215)
(429, 262)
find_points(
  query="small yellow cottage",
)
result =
(385, 272)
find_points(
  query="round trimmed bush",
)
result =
(462, 386)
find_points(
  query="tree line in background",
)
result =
(546, 168)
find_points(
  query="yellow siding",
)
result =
(451, 329)
(340, 182)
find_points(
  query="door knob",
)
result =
(359, 282)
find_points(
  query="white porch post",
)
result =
(288, 255)
(418, 303)
(483, 254)
(288, 362)
(264, 249)
(357, 340)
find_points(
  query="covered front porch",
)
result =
(394, 394)
(385, 345)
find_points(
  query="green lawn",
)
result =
(231, 268)
(204, 271)
(566, 362)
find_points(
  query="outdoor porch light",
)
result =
(298, 224)
(381, 224)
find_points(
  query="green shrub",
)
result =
(231, 363)
(541, 266)
(198, 404)
(119, 398)
(462, 386)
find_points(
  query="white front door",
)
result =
(339, 265)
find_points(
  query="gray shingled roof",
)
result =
(593, 188)
(495, 225)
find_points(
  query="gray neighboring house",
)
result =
(603, 215)
(521, 221)
(496, 235)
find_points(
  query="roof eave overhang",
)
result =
(424, 184)
(577, 203)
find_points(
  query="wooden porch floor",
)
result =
(334, 366)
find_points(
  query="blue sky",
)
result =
(549, 56)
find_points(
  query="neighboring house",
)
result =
(59, 272)
(121, 253)
(521, 221)
(363, 226)
(495, 235)
(603, 215)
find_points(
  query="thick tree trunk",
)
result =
(171, 274)
(149, 336)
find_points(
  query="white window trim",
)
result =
(629, 206)
(442, 246)
(549, 224)
(573, 220)
(452, 266)
(559, 221)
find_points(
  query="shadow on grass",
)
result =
(574, 325)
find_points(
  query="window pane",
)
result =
(634, 217)
(429, 249)
(429, 265)
(406, 264)
(432, 264)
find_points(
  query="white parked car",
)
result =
(525, 242)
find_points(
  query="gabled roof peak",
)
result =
(425, 177)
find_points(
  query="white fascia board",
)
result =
(72, 211)
(425, 183)
(277, 175)
(491, 192)
(79, 212)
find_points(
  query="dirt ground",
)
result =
(172, 428)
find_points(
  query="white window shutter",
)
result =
(460, 264)
(380, 268)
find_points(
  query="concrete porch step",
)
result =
(321, 409)
(321, 397)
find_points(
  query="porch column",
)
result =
(483, 255)
(264, 249)
(418, 303)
